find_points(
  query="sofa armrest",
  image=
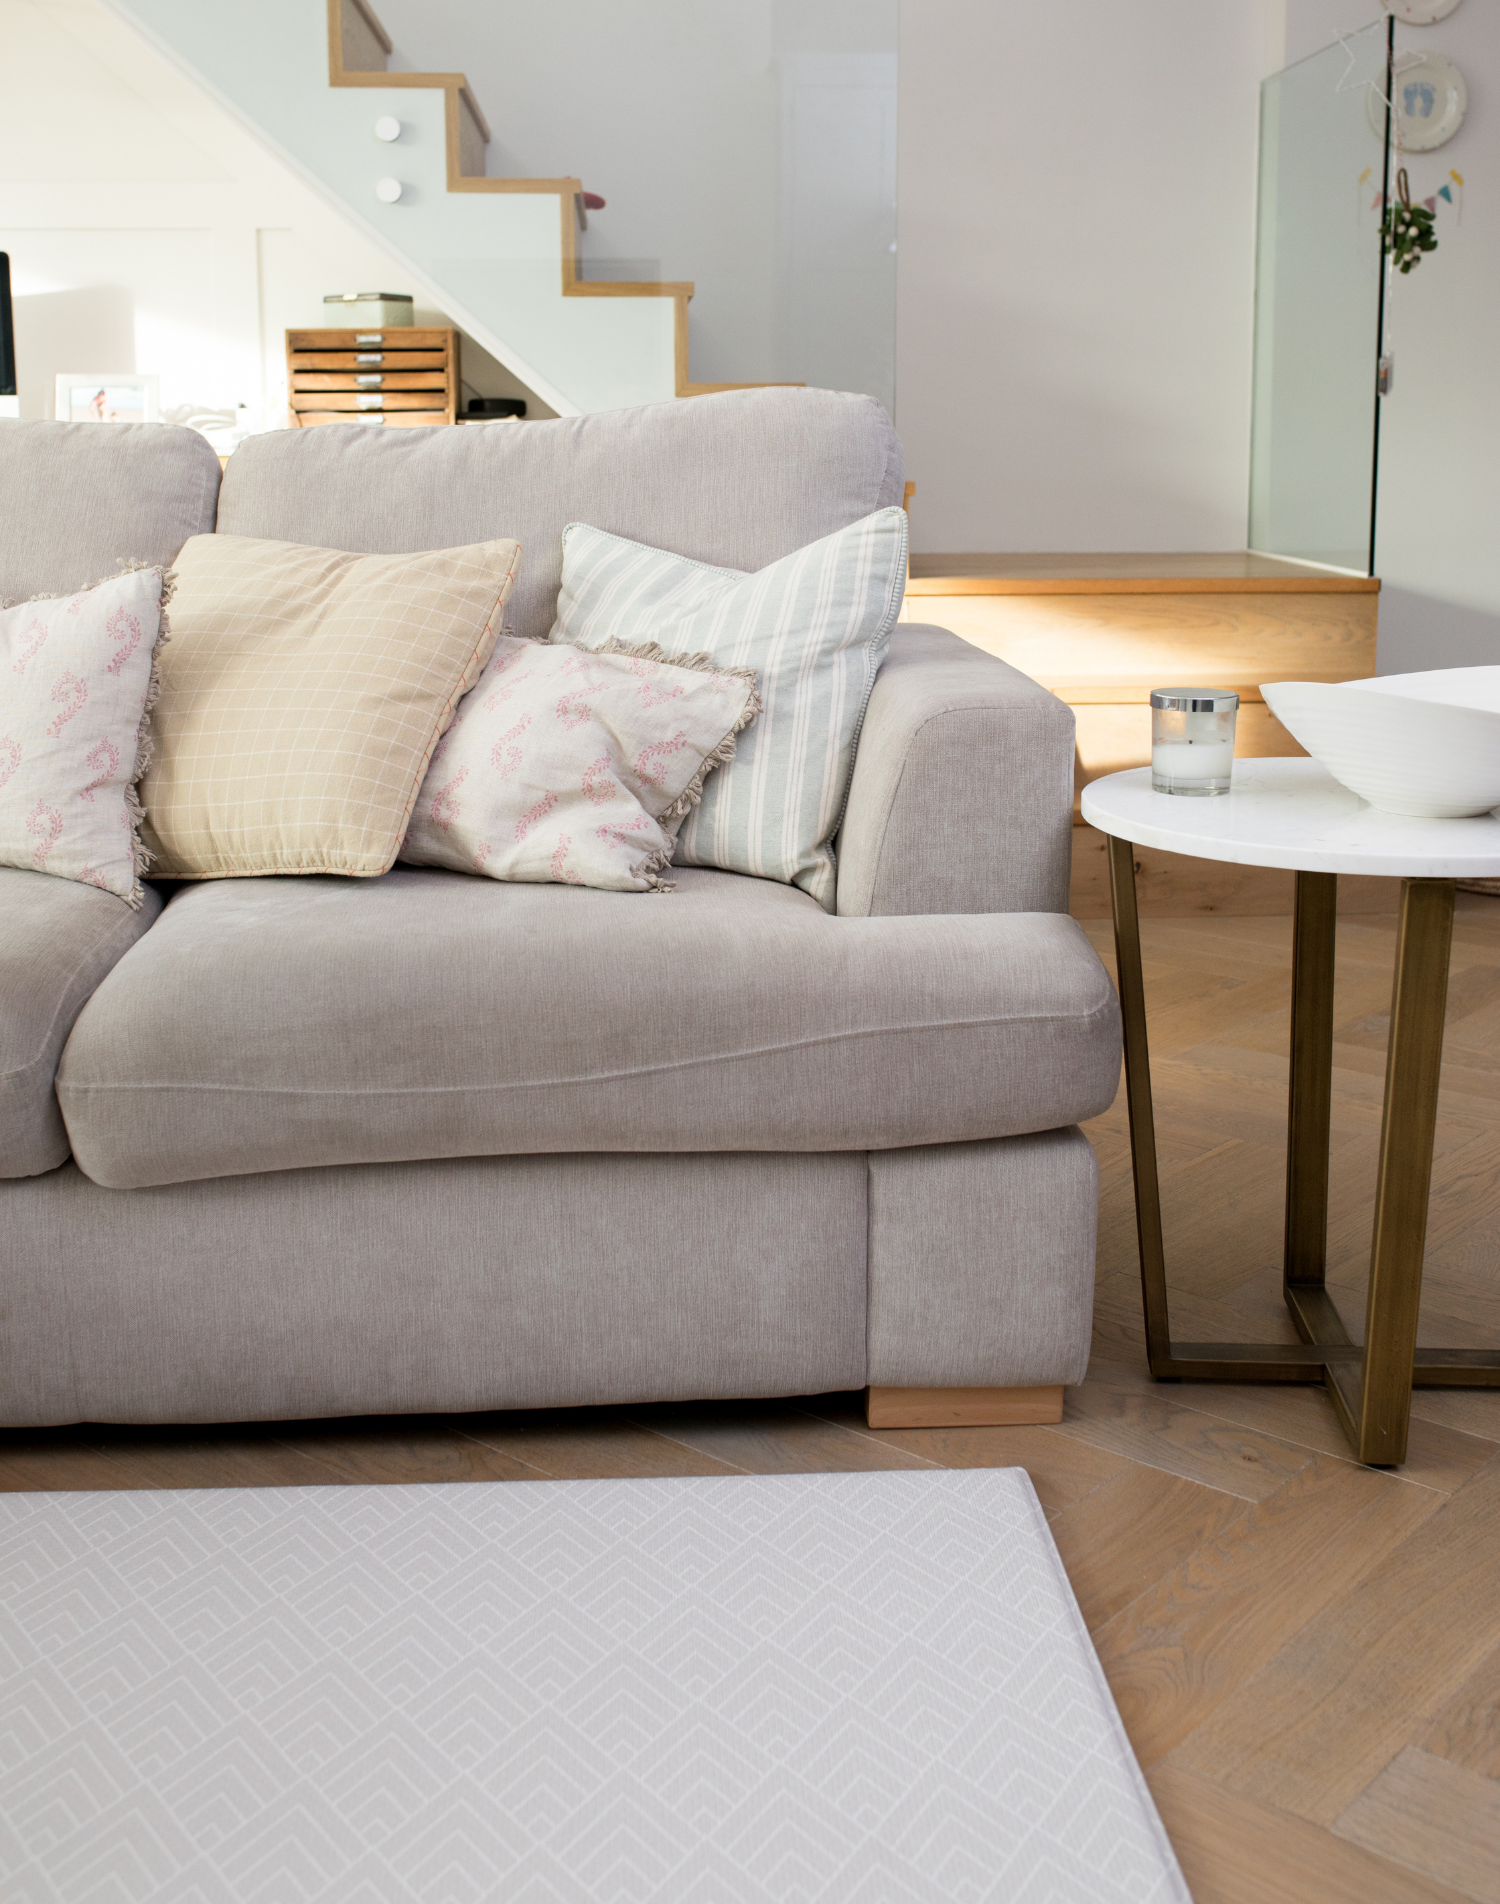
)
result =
(962, 794)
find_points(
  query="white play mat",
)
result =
(848, 1689)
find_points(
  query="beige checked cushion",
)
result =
(303, 692)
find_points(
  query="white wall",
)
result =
(1076, 221)
(1075, 294)
(148, 232)
(1438, 511)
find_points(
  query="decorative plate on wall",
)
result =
(1430, 99)
(1421, 12)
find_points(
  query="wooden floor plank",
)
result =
(1181, 1651)
(1367, 1671)
(1235, 1851)
(386, 1454)
(46, 1462)
(1436, 1817)
(198, 1458)
(1475, 1410)
(1185, 1016)
(1220, 1235)
(766, 1438)
(594, 1444)
(1254, 1311)
(1466, 1198)
(1466, 1727)
(1063, 1469)
(1121, 1538)
(1437, 1457)
(1145, 1427)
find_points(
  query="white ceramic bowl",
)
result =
(1427, 745)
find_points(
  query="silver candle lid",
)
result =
(1196, 700)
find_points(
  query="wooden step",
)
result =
(1100, 631)
(1229, 572)
(1110, 648)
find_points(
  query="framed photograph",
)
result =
(94, 396)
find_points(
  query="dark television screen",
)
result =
(7, 332)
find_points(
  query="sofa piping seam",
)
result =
(1084, 1020)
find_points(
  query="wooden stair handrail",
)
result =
(377, 31)
(459, 101)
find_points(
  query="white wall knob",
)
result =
(388, 129)
(388, 190)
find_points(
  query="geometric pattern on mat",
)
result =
(865, 1688)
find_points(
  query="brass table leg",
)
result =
(1414, 1057)
(1131, 986)
(1371, 1389)
(1309, 1111)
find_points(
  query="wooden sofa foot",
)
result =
(962, 1407)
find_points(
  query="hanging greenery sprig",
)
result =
(1408, 228)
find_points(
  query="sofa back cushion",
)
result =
(78, 499)
(737, 480)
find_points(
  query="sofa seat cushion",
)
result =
(58, 938)
(277, 1023)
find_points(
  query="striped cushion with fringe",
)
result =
(814, 626)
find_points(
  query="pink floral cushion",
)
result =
(576, 766)
(76, 679)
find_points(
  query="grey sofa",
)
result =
(287, 1148)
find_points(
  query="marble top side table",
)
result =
(1292, 814)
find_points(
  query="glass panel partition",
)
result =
(1324, 164)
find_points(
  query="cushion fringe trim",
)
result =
(672, 817)
(144, 746)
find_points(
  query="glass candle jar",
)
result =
(1192, 739)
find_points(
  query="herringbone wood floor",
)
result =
(1306, 1652)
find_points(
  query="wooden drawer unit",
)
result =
(370, 380)
(403, 376)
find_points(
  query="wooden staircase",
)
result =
(358, 48)
(307, 78)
